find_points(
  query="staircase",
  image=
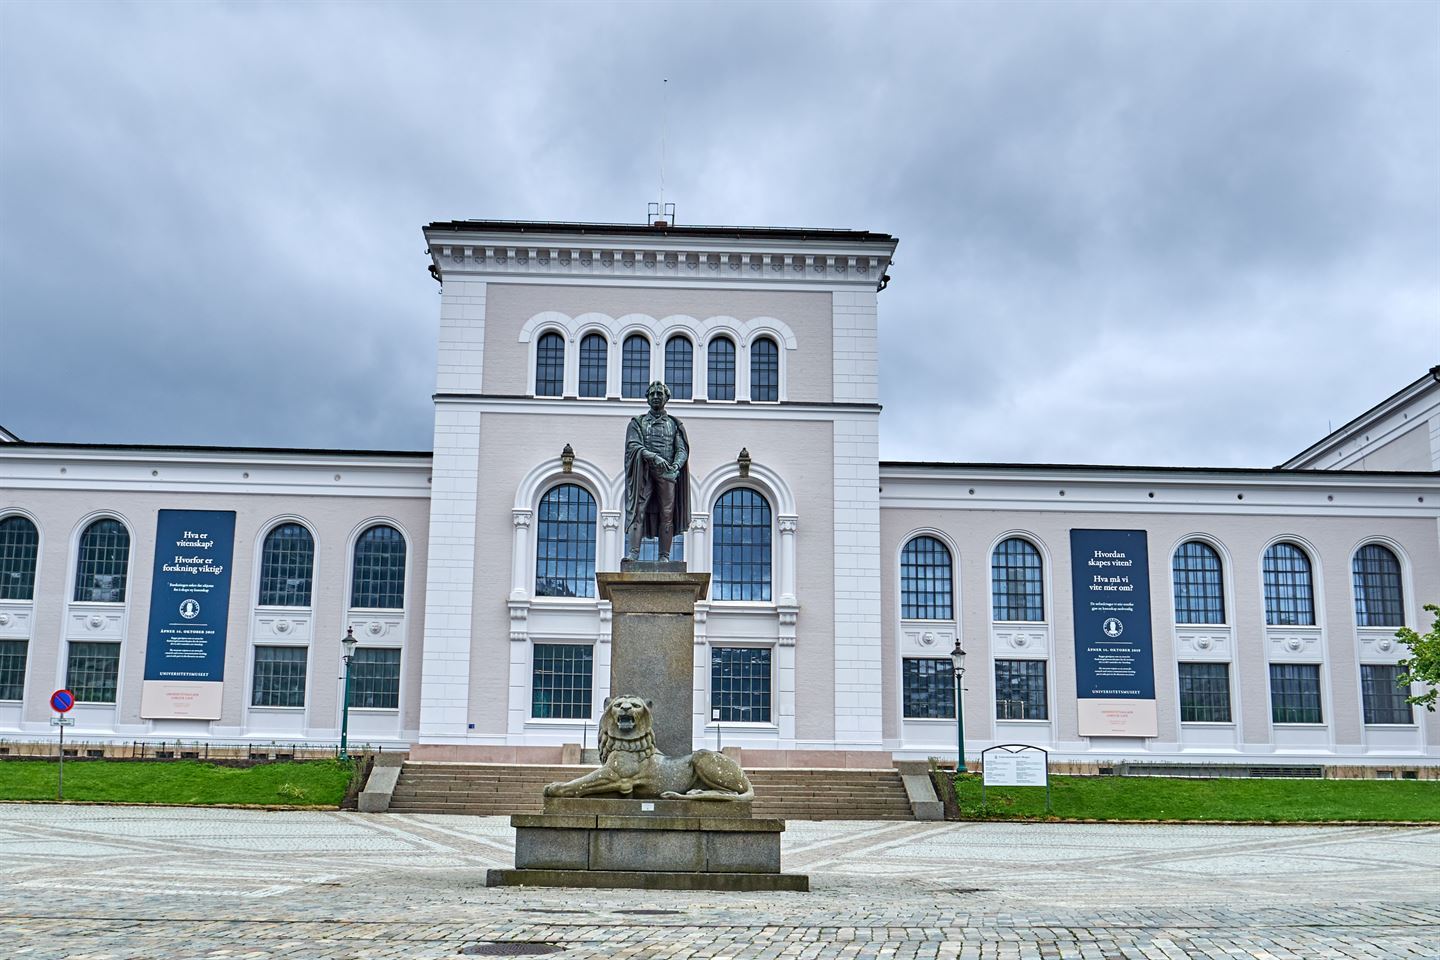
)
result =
(496, 789)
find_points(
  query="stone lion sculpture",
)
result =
(630, 765)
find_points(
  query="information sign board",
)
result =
(1114, 657)
(1023, 768)
(62, 721)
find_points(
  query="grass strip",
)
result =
(1177, 798)
(187, 782)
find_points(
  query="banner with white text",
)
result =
(1114, 655)
(189, 613)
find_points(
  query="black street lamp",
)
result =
(349, 643)
(957, 659)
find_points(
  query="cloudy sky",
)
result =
(1160, 233)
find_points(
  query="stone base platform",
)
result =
(647, 845)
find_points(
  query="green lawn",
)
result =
(1166, 798)
(315, 782)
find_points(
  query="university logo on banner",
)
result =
(1114, 654)
(189, 613)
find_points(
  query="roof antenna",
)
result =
(662, 214)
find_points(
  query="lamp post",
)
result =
(957, 659)
(349, 643)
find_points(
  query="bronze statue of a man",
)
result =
(657, 476)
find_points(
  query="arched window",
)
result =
(550, 365)
(19, 545)
(592, 366)
(680, 367)
(925, 580)
(1289, 598)
(377, 573)
(104, 562)
(635, 367)
(722, 369)
(287, 566)
(1378, 599)
(1017, 581)
(565, 543)
(741, 568)
(1199, 586)
(764, 370)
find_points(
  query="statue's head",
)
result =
(657, 394)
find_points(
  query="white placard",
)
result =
(1024, 768)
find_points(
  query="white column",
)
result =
(697, 544)
(787, 525)
(609, 555)
(520, 555)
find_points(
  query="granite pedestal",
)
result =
(652, 643)
(647, 844)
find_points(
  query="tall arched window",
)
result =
(680, 367)
(764, 370)
(592, 366)
(1289, 597)
(103, 564)
(635, 367)
(287, 567)
(1199, 584)
(377, 573)
(565, 543)
(925, 580)
(550, 365)
(741, 567)
(1378, 599)
(1017, 581)
(19, 546)
(721, 362)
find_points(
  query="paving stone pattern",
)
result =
(125, 883)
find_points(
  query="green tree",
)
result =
(1423, 664)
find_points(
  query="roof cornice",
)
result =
(1350, 434)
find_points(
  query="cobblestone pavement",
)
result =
(122, 883)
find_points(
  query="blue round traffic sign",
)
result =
(62, 700)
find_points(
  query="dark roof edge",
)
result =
(619, 229)
(203, 448)
(1433, 374)
(1118, 468)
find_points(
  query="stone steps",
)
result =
(794, 794)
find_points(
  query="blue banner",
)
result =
(1114, 654)
(189, 613)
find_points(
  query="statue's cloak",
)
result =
(635, 477)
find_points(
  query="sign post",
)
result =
(61, 701)
(1015, 765)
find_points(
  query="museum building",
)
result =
(1111, 613)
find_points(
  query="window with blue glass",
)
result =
(377, 576)
(561, 680)
(740, 684)
(764, 370)
(925, 579)
(635, 367)
(279, 677)
(1289, 597)
(565, 543)
(103, 563)
(1017, 581)
(593, 351)
(721, 363)
(650, 549)
(1383, 699)
(680, 367)
(928, 688)
(1379, 601)
(287, 567)
(1020, 690)
(375, 678)
(12, 669)
(19, 548)
(550, 365)
(741, 560)
(92, 671)
(1295, 693)
(1199, 584)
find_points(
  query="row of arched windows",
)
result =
(565, 538)
(1017, 584)
(287, 564)
(720, 365)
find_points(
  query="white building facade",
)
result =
(840, 583)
